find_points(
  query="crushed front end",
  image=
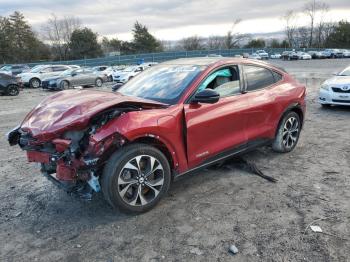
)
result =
(74, 159)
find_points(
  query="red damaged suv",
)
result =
(172, 119)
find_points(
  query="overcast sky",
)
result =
(170, 19)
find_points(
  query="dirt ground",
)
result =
(203, 213)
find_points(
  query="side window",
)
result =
(59, 68)
(225, 81)
(46, 70)
(258, 77)
(277, 76)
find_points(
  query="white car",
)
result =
(304, 56)
(346, 53)
(336, 90)
(254, 56)
(276, 56)
(33, 78)
(263, 54)
(128, 73)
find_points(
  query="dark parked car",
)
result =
(14, 69)
(9, 85)
(289, 55)
(317, 54)
(171, 119)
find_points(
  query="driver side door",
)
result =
(218, 128)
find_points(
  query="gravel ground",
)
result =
(203, 213)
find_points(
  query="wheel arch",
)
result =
(295, 107)
(34, 77)
(160, 145)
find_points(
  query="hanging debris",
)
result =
(244, 164)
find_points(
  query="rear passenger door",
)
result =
(259, 90)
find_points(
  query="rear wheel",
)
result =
(135, 178)
(288, 133)
(34, 83)
(12, 90)
(98, 82)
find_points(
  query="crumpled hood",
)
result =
(73, 109)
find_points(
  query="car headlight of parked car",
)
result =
(325, 87)
(52, 82)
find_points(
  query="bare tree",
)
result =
(232, 38)
(58, 32)
(191, 43)
(322, 24)
(215, 42)
(312, 9)
(290, 19)
(303, 36)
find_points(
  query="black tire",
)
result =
(12, 90)
(285, 141)
(98, 82)
(116, 168)
(64, 85)
(34, 83)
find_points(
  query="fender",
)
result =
(172, 150)
(292, 106)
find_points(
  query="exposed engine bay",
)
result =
(74, 160)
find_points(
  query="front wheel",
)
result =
(135, 178)
(34, 83)
(98, 82)
(13, 90)
(65, 85)
(288, 133)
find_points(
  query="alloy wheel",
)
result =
(13, 91)
(140, 180)
(98, 83)
(35, 83)
(290, 132)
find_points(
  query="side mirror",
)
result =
(74, 74)
(206, 96)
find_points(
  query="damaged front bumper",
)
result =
(66, 162)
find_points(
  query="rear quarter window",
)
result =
(277, 76)
(258, 77)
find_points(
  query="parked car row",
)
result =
(60, 77)
(300, 55)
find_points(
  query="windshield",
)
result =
(346, 72)
(164, 83)
(37, 69)
(67, 72)
(5, 68)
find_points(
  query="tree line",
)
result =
(320, 31)
(64, 38)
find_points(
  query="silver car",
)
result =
(75, 77)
